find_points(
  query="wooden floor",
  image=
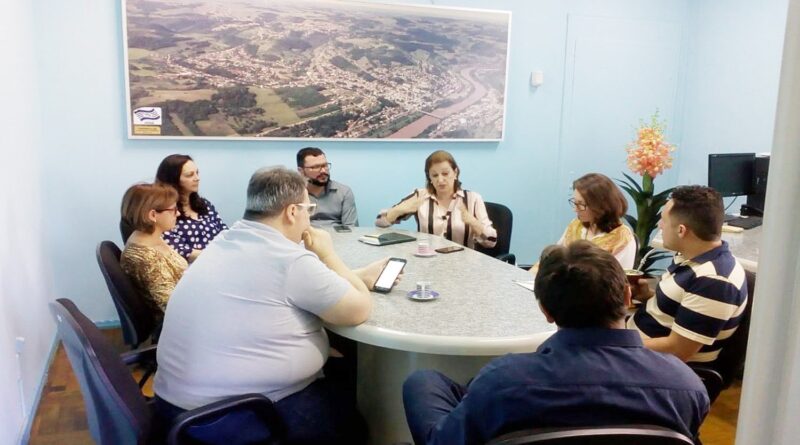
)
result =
(61, 416)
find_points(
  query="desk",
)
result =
(480, 314)
(744, 246)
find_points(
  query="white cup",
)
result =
(423, 247)
(423, 288)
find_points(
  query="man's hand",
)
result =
(674, 344)
(369, 273)
(319, 242)
(642, 292)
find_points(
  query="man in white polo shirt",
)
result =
(247, 317)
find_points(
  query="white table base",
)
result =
(381, 373)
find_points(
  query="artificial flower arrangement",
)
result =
(648, 156)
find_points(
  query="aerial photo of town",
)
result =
(315, 69)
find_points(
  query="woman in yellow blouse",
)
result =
(599, 208)
(153, 266)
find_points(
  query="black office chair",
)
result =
(720, 374)
(137, 317)
(605, 435)
(502, 220)
(125, 230)
(118, 413)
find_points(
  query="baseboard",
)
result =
(107, 324)
(25, 434)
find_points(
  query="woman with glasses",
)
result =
(198, 220)
(443, 207)
(599, 207)
(152, 265)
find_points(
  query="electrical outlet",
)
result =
(19, 344)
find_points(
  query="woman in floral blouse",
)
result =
(198, 221)
(152, 265)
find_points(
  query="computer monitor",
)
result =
(731, 174)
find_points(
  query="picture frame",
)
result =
(323, 69)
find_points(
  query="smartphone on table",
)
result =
(389, 274)
(449, 249)
(342, 229)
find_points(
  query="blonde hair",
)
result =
(139, 199)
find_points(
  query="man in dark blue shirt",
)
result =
(591, 372)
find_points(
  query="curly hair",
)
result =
(700, 209)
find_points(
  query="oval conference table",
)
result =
(481, 313)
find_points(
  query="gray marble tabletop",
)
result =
(480, 310)
(744, 246)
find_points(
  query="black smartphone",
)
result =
(449, 249)
(390, 271)
(342, 229)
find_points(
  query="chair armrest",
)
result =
(705, 372)
(146, 354)
(257, 403)
(711, 379)
(509, 258)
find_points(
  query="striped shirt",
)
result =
(702, 299)
(447, 222)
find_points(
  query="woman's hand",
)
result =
(470, 220)
(193, 256)
(405, 207)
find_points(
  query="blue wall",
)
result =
(710, 66)
(606, 65)
(733, 70)
(26, 328)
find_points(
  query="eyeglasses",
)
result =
(577, 205)
(316, 168)
(310, 207)
(171, 209)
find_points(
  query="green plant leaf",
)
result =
(664, 194)
(636, 184)
(631, 220)
(633, 194)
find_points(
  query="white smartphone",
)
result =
(390, 271)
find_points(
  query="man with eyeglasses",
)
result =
(248, 318)
(335, 201)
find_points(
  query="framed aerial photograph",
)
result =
(275, 69)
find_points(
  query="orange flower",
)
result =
(650, 153)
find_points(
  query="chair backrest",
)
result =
(503, 221)
(116, 410)
(125, 230)
(617, 435)
(135, 314)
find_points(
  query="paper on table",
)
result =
(527, 284)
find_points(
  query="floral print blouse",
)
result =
(189, 233)
(153, 273)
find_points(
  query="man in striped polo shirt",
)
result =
(701, 297)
